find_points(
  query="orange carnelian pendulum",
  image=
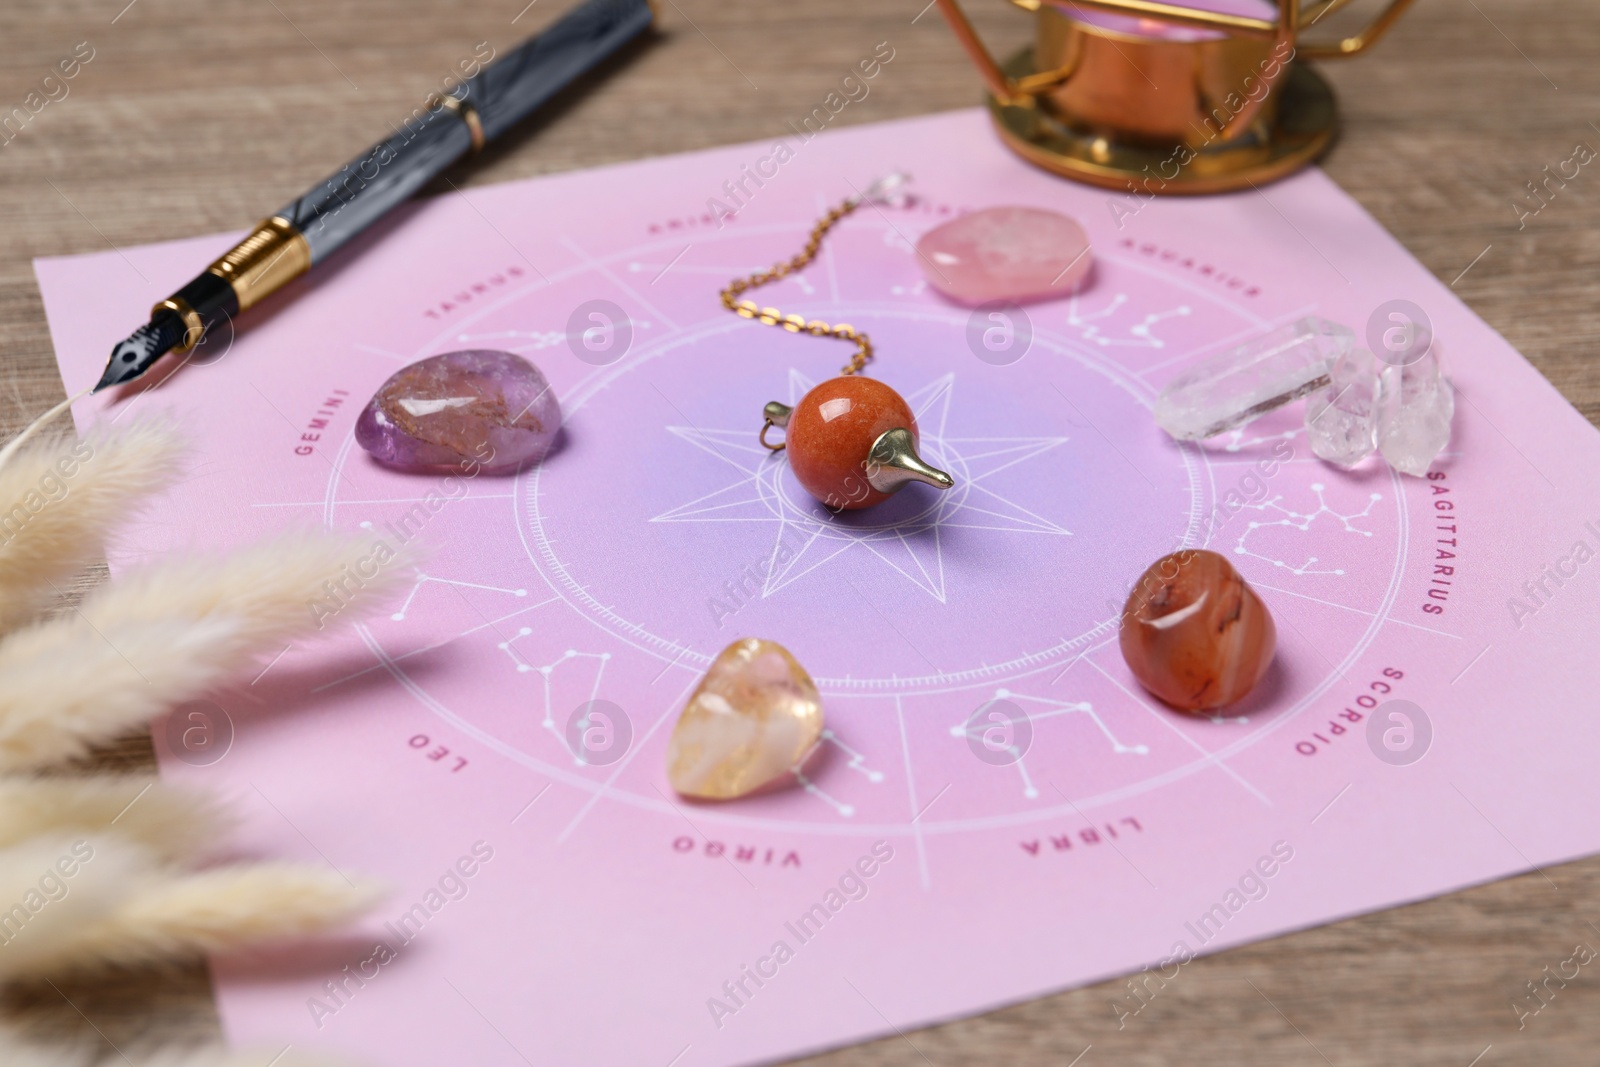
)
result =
(852, 441)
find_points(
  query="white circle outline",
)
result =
(936, 827)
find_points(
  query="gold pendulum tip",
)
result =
(893, 462)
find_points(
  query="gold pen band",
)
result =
(254, 268)
(194, 326)
(466, 113)
(257, 266)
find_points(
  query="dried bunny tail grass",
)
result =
(27, 432)
(66, 687)
(172, 822)
(172, 632)
(230, 908)
(216, 911)
(222, 1057)
(70, 902)
(55, 885)
(59, 504)
(18, 1051)
(283, 589)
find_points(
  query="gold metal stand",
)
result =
(1299, 130)
(1159, 99)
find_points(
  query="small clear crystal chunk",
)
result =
(890, 190)
(1342, 419)
(1246, 382)
(1415, 407)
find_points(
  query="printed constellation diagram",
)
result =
(982, 732)
(1302, 521)
(752, 491)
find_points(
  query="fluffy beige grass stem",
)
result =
(38, 424)
(17, 1051)
(174, 823)
(59, 504)
(75, 902)
(169, 633)
(89, 869)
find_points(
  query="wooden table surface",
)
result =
(194, 117)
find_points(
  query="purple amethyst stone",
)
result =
(493, 409)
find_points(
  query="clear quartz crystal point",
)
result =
(1342, 419)
(891, 190)
(1415, 406)
(1246, 382)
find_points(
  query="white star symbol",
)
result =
(905, 532)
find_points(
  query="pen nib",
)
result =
(133, 356)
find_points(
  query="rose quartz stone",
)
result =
(1005, 253)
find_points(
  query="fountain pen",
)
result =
(310, 228)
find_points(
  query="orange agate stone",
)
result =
(1194, 633)
(831, 432)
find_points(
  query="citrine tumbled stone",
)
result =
(1194, 633)
(831, 432)
(755, 717)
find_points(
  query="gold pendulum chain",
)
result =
(797, 323)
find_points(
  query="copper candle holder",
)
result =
(1162, 99)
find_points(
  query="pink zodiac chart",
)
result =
(492, 748)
